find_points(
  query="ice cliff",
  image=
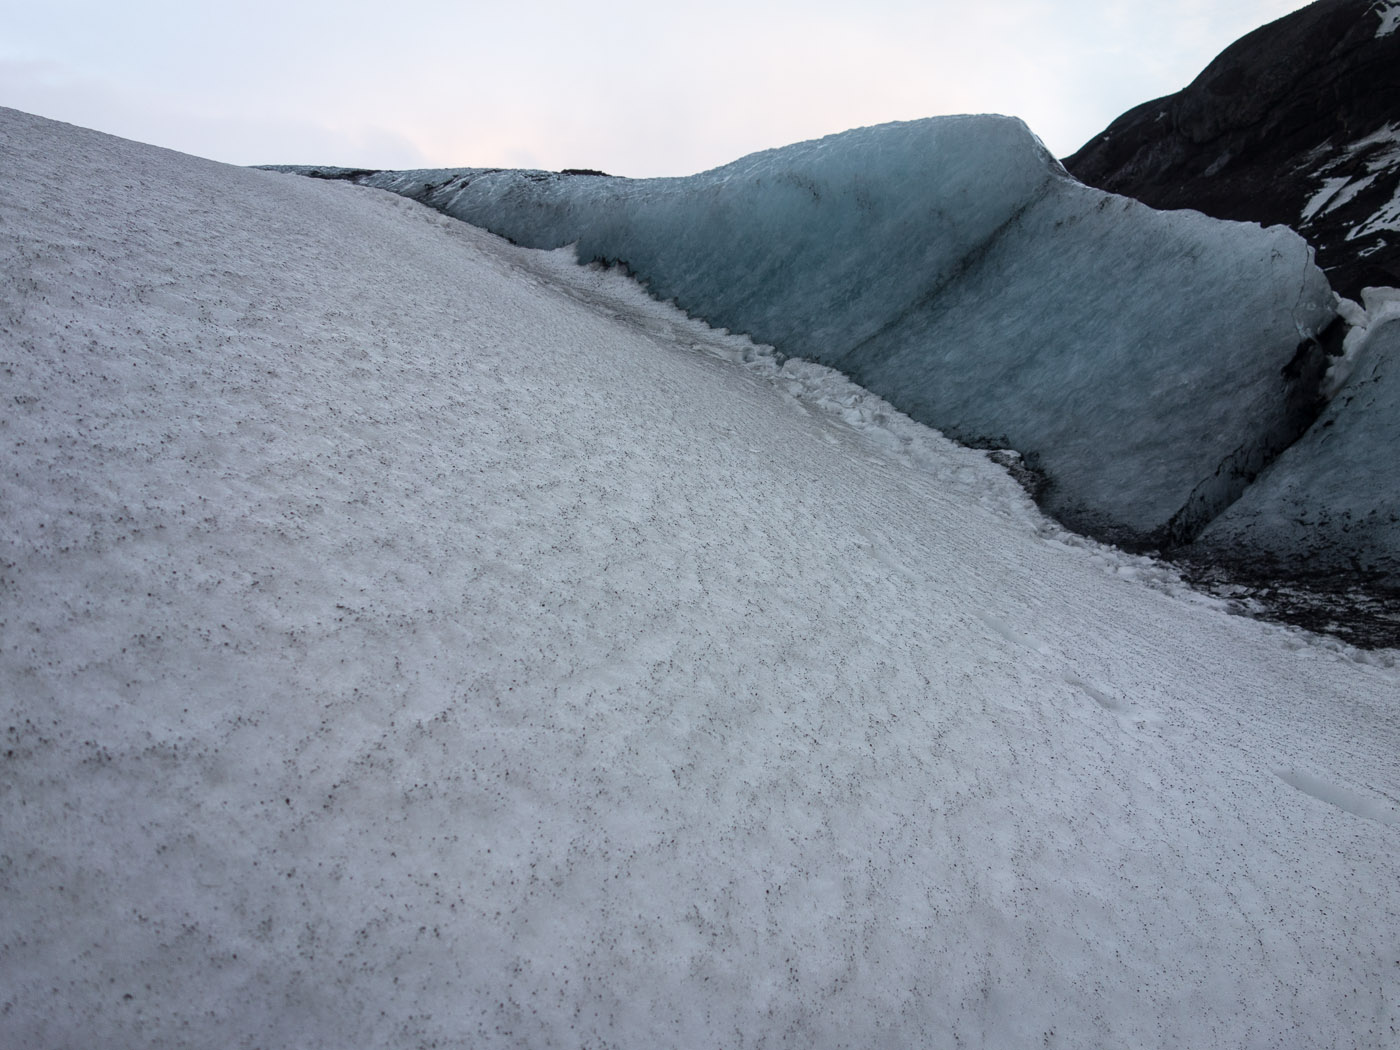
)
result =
(1329, 506)
(1148, 364)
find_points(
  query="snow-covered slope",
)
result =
(407, 639)
(1141, 360)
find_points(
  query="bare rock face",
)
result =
(1297, 123)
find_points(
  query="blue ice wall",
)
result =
(1143, 361)
(1330, 504)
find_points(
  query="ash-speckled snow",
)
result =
(411, 640)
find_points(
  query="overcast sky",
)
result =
(628, 87)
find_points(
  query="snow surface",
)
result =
(1389, 12)
(1386, 217)
(1334, 194)
(953, 266)
(1325, 197)
(408, 639)
(1384, 146)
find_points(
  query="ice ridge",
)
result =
(1147, 363)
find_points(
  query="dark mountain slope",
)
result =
(1296, 123)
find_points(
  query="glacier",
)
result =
(1329, 507)
(1147, 365)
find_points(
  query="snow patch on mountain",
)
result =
(1319, 201)
(1389, 12)
(1385, 218)
(1351, 171)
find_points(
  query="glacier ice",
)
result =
(1140, 360)
(1330, 504)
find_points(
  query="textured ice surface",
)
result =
(1331, 502)
(952, 266)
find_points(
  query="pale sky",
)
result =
(627, 87)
